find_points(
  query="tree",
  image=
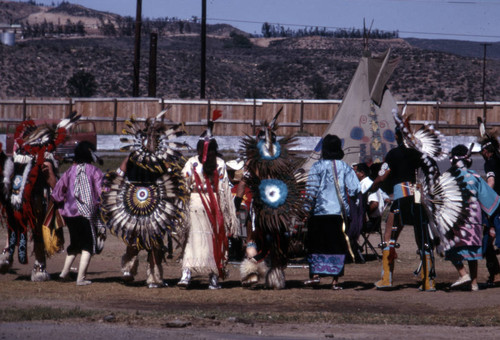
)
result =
(238, 40)
(68, 28)
(107, 28)
(318, 87)
(82, 84)
(126, 26)
(80, 28)
(266, 30)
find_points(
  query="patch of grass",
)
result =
(485, 318)
(490, 318)
(41, 313)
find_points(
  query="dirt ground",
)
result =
(109, 307)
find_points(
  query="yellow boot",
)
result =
(387, 269)
(428, 284)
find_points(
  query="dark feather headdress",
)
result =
(34, 139)
(277, 186)
(266, 155)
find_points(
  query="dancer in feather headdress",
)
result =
(464, 239)
(212, 215)
(416, 151)
(29, 179)
(278, 194)
(491, 155)
(144, 199)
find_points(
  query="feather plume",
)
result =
(275, 119)
(482, 128)
(216, 114)
(426, 140)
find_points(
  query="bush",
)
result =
(238, 40)
(82, 84)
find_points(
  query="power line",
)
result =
(451, 2)
(345, 28)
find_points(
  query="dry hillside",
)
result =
(308, 67)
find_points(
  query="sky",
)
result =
(429, 19)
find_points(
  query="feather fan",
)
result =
(426, 139)
(445, 199)
(141, 215)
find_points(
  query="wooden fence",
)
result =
(307, 117)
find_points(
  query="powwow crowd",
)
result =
(157, 193)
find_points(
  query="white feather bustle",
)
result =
(275, 278)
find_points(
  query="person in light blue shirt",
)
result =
(327, 241)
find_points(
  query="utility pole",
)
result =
(203, 47)
(137, 50)
(484, 80)
(153, 47)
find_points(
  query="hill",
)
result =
(471, 49)
(237, 66)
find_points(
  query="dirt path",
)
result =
(357, 312)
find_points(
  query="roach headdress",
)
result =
(153, 145)
(265, 154)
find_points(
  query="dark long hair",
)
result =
(460, 153)
(210, 164)
(332, 147)
(83, 152)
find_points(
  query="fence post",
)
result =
(301, 116)
(115, 114)
(254, 115)
(24, 108)
(208, 110)
(437, 115)
(70, 104)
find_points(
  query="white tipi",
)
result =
(364, 121)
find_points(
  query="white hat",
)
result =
(235, 164)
